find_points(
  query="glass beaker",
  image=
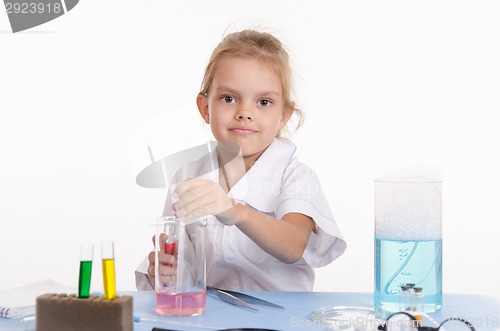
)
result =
(408, 241)
(180, 275)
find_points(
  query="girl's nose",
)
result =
(247, 117)
(244, 114)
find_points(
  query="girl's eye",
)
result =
(227, 99)
(265, 103)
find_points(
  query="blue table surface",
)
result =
(482, 311)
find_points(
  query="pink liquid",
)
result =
(169, 303)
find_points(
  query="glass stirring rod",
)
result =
(86, 256)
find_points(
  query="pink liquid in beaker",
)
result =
(169, 303)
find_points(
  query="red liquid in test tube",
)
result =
(169, 249)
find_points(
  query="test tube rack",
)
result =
(70, 313)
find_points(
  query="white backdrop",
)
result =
(388, 88)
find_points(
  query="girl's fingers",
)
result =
(188, 207)
(163, 238)
(167, 275)
(151, 273)
(167, 271)
(205, 199)
(188, 185)
(169, 280)
(192, 195)
(163, 258)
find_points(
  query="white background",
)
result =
(388, 88)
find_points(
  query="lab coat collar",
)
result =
(261, 186)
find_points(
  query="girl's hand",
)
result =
(167, 265)
(199, 197)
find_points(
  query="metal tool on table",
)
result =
(241, 299)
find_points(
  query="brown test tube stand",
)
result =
(70, 313)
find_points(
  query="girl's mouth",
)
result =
(242, 131)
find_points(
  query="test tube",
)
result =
(86, 255)
(108, 269)
(169, 247)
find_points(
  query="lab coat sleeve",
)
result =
(302, 193)
(142, 281)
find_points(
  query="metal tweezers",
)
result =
(241, 299)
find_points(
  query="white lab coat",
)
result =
(276, 184)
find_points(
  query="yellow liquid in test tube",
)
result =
(108, 276)
(108, 269)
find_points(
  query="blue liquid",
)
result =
(398, 262)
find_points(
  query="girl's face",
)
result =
(244, 105)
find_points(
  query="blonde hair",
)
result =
(262, 46)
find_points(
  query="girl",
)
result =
(272, 223)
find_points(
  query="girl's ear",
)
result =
(287, 114)
(202, 103)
